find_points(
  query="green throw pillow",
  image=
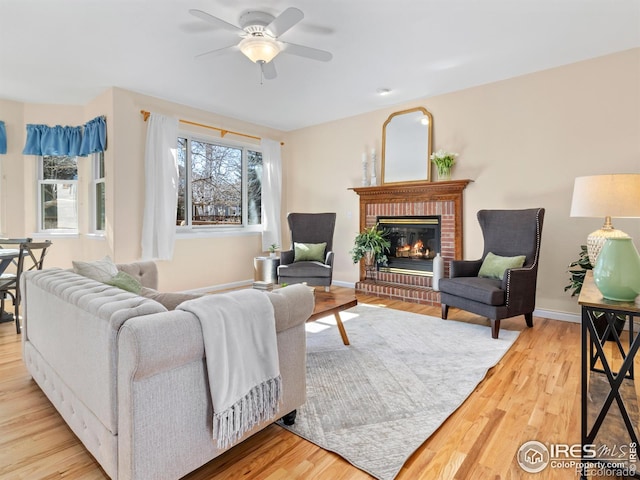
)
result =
(494, 266)
(99, 270)
(309, 252)
(126, 282)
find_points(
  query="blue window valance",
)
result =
(3, 138)
(94, 138)
(71, 141)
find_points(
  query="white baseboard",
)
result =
(224, 286)
(343, 284)
(554, 315)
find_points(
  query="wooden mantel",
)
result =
(422, 189)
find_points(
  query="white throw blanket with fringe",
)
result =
(242, 360)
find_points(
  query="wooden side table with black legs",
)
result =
(609, 403)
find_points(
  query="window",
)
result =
(97, 193)
(58, 193)
(220, 184)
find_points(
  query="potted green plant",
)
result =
(444, 161)
(372, 245)
(273, 248)
(577, 272)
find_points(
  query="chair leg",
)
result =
(528, 317)
(17, 314)
(327, 288)
(495, 328)
(445, 311)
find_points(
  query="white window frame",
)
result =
(96, 179)
(218, 230)
(41, 182)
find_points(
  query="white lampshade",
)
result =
(616, 195)
(260, 49)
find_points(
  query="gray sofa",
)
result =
(129, 376)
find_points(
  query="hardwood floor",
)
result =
(532, 394)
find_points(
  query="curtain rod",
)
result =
(223, 132)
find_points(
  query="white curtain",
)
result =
(271, 192)
(161, 183)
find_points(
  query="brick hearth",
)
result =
(415, 198)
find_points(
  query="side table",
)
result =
(265, 269)
(609, 404)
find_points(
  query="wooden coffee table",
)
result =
(328, 303)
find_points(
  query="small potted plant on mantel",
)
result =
(444, 161)
(372, 245)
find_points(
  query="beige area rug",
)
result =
(375, 402)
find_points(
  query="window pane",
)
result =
(254, 187)
(59, 168)
(100, 206)
(216, 184)
(182, 181)
(59, 209)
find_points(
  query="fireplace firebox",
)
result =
(415, 241)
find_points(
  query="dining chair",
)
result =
(31, 252)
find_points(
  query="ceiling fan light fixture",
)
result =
(260, 49)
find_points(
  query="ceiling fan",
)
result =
(260, 32)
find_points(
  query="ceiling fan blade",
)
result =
(307, 52)
(219, 51)
(284, 21)
(269, 70)
(215, 20)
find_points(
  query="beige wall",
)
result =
(522, 141)
(12, 170)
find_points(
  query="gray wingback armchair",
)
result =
(309, 229)
(507, 233)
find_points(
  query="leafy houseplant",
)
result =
(273, 248)
(444, 161)
(372, 245)
(577, 273)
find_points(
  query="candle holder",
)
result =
(374, 179)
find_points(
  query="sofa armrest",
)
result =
(520, 287)
(464, 268)
(329, 259)
(286, 257)
(292, 305)
(154, 343)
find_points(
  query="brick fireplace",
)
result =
(415, 200)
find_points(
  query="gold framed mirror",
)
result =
(406, 146)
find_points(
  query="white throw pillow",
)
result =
(100, 270)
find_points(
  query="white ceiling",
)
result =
(69, 51)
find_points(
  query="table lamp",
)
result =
(615, 195)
